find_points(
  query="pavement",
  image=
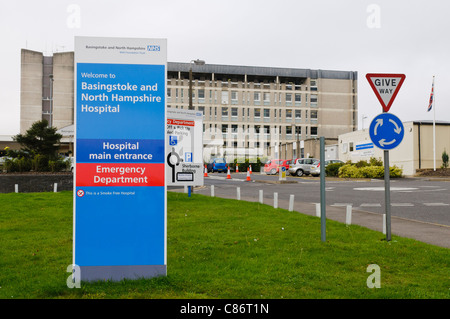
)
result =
(434, 234)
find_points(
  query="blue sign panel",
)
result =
(386, 131)
(363, 146)
(120, 190)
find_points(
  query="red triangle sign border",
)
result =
(385, 75)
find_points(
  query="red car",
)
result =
(273, 166)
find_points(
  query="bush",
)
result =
(372, 171)
(361, 163)
(375, 162)
(351, 171)
(333, 169)
(444, 159)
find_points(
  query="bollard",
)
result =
(317, 209)
(348, 215)
(384, 224)
(238, 190)
(212, 190)
(16, 188)
(261, 196)
(275, 200)
(55, 187)
(185, 189)
(291, 202)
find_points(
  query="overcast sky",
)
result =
(394, 36)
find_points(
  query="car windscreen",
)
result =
(219, 160)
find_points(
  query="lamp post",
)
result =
(50, 124)
(196, 62)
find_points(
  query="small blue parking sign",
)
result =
(386, 131)
(173, 140)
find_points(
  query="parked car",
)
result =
(315, 168)
(217, 165)
(273, 166)
(302, 166)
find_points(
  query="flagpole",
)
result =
(434, 127)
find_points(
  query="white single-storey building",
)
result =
(414, 152)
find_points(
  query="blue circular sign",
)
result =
(386, 131)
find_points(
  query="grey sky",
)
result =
(373, 36)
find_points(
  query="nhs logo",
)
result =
(153, 48)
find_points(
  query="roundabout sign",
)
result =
(386, 131)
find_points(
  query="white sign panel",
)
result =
(184, 160)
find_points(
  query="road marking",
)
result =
(402, 204)
(370, 205)
(436, 204)
(382, 189)
(342, 204)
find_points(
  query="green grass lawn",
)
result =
(220, 248)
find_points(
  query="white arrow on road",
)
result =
(397, 129)
(379, 123)
(383, 142)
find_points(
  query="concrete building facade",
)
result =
(252, 112)
(47, 86)
(248, 111)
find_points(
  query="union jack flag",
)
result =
(430, 104)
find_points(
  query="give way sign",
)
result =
(386, 87)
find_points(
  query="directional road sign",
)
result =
(386, 131)
(386, 87)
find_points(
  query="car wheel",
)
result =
(273, 171)
(299, 173)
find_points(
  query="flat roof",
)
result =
(262, 71)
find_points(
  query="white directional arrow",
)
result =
(383, 142)
(397, 129)
(379, 123)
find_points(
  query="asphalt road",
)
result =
(413, 199)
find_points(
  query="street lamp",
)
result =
(196, 62)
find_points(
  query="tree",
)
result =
(39, 139)
(444, 159)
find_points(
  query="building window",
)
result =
(234, 128)
(350, 146)
(234, 97)
(313, 85)
(266, 113)
(224, 128)
(313, 130)
(289, 114)
(298, 114)
(224, 97)
(225, 111)
(288, 99)
(298, 99)
(266, 98)
(201, 96)
(313, 100)
(257, 113)
(256, 98)
(234, 111)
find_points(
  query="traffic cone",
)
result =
(237, 168)
(250, 168)
(248, 175)
(228, 173)
(206, 172)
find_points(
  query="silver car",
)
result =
(302, 166)
(315, 168)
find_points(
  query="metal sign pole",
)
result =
(387, 195)
(322, 190)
